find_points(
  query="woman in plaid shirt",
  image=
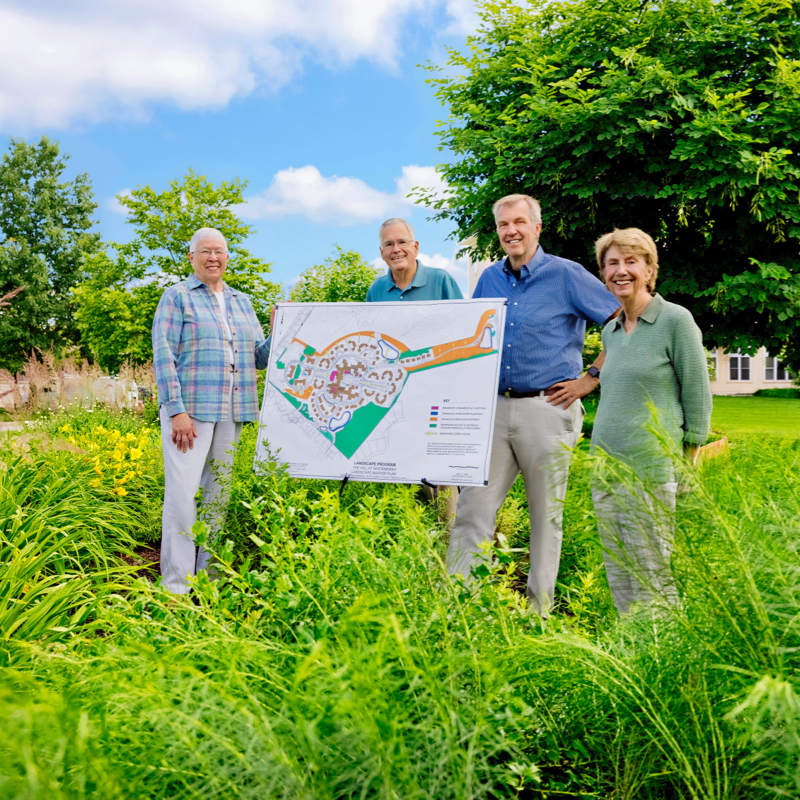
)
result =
(207, 346)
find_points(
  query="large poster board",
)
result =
(388, 392)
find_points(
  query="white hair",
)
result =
(399, 221)
(533, 205)
(205, 233)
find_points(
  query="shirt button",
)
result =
(515, 304)
(512, 324)
(508, 367)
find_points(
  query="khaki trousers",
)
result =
(530, 436)
(637, 532)
(208, 467)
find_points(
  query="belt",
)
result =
(537, 393)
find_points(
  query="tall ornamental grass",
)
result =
(333, 659)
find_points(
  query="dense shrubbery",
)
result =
(788, 392)
(332, 659)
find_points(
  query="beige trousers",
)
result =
(207, 466)
(637, 531)
(530, 436)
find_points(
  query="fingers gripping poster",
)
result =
(388, 392)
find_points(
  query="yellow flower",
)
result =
(65, 429)
(120, 491)
(136, 453)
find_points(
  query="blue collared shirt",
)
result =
(429, 283)
(548, 308)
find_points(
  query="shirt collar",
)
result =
(194, 282)
(526, 269)
(420, 279)
(650, 314)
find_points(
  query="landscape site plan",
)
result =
(370, 392)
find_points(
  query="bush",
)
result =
(788, 392)
(332, 658)
(343, 278)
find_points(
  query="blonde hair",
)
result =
(628, 240)
(509, 199)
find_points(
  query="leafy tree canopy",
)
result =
(116, 305)
(679, 117)
(344, 277)
(44, 237)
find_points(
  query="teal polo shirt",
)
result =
(429, 283)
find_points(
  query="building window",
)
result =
(774, 371)
(738, 367)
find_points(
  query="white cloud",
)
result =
(336, 200)
(114, 204)
(94, 59)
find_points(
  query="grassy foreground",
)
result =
(333, 660)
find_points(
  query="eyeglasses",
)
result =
(217, 253)
(399, 243)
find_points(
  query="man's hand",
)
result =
(570, 391)
(183, 432)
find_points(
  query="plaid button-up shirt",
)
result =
(191, 356)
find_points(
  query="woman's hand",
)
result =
(183, 432)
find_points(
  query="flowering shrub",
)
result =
(117, 459)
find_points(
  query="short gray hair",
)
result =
(205, 233)
(510, 199)
(394, 220)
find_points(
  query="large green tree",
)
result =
(45, 236)
(681, 118)
(116, 305)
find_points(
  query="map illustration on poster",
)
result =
(391, 392)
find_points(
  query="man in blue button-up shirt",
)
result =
(550, 301)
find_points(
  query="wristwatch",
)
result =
(594, 372)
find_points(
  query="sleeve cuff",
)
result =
(262, 353)
(174, 407)
(690, 437)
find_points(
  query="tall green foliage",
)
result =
(44, 238)
(342, 278)
(676, 117)
(116, 305)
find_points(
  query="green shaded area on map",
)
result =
(364, 421)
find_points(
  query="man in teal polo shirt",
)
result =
(407, 279)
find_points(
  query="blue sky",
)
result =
(318, 104)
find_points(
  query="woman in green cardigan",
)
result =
(654, 359)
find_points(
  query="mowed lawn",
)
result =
(739, 416)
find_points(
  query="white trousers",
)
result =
(530, 436)
(208, 467)
(636, 532)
